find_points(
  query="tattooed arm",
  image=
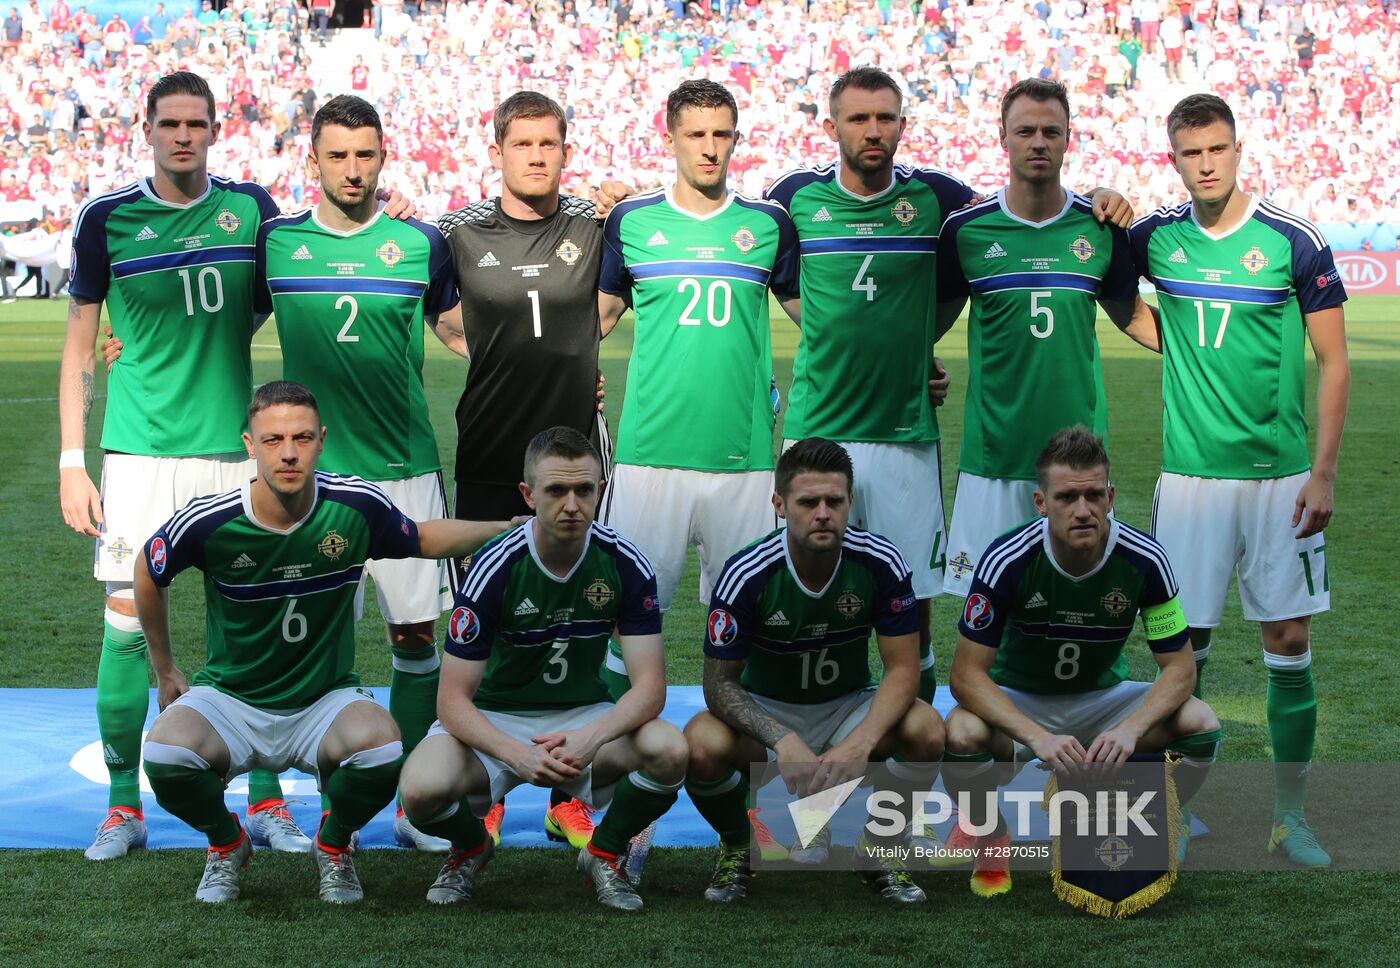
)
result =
(730, 702)
(82, 506)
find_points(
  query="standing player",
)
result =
(282, 556)
(1039, 670)
(172, 257)
(351, 289)
(869, 232)
(787, 667)
(1240, 282)
(521, 699)
(1037, 264)
(696, 262)
(527, 265)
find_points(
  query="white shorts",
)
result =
(666, 510)
(139, 494)
(1083, 715)
(522, 727)
(899, 495)
(1211, 527)
(820, 725)
(984, 509)
(268, 739)
(411, 589)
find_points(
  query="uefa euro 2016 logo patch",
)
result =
(1254, 260)
(1115, 602)
(849, 604)
(723, 629)
(904, 211)
(389, 253)
(1081, 249)
(977, 613)
(598, 594)
(227, 221)
(568, 252)
(333, 545)
(744, 240)
(463, 626)
(159, 556)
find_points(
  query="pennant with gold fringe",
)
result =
(1109, 867)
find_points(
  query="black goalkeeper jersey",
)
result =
(530, 313)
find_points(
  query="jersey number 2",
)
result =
(344, 336)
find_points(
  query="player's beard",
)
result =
(869, 164)
(350, 204)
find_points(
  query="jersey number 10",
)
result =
(208, 285)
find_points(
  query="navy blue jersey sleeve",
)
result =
(1315, 277)
(1120, 281)
(179, 542)
(1139, 234)
(728, 631)
(895, 611)
(476, 606)
(952, 282)
(442, 273)
(614, 278)
(1157, 600)
(785, 278)
(639, 612)
(392, 534)
(953, 193)
(165, 558)
(267, 207)
(262, 295)
(992, 595)
(90, 267)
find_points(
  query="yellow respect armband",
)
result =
(1164, 620)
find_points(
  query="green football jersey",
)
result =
(280, 605)
(1232, 307)
(543, 637)
(1058, 634)
(868, 303)
(802, 646)
(1033, 357)
(178, 283)
(350, 309)
(702, 358)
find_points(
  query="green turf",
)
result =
(141, 911)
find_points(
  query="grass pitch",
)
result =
(56, 908)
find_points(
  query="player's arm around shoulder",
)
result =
(1327, 332)
(77, 383)
(451, 538)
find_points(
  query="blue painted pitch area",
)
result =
(53, 790)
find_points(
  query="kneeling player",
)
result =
(787, 669)
(521, 700)
(282, 556)
(1039, 670)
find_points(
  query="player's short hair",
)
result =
(346, 111)
(812, 455)
(863, 79)
(698, 94)
(1077, 448)
(1037, 89)
(1199, 111)
(180, 82)
(565, 442)
(281, 393)
(527, 105)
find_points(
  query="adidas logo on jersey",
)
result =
(302, 252)
(822, 215)
(488, 260)
(1179, 256)
(243, 561)
(657, 239)
(146, 234)
(1036, 601)
(526, 607)
(995, 251)
(777, 618)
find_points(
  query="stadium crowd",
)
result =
(1311, 82)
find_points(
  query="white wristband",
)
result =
(71, 458)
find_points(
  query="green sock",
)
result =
(1198, 752)
(195, 796)
(617, 682)
(928, 682)
(638, 800)
(724, 803)
(456, 824)
(122, 698)
(359, 788)
(1202, 655)
(263, 785)
(413, 691)
(1291, 707)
